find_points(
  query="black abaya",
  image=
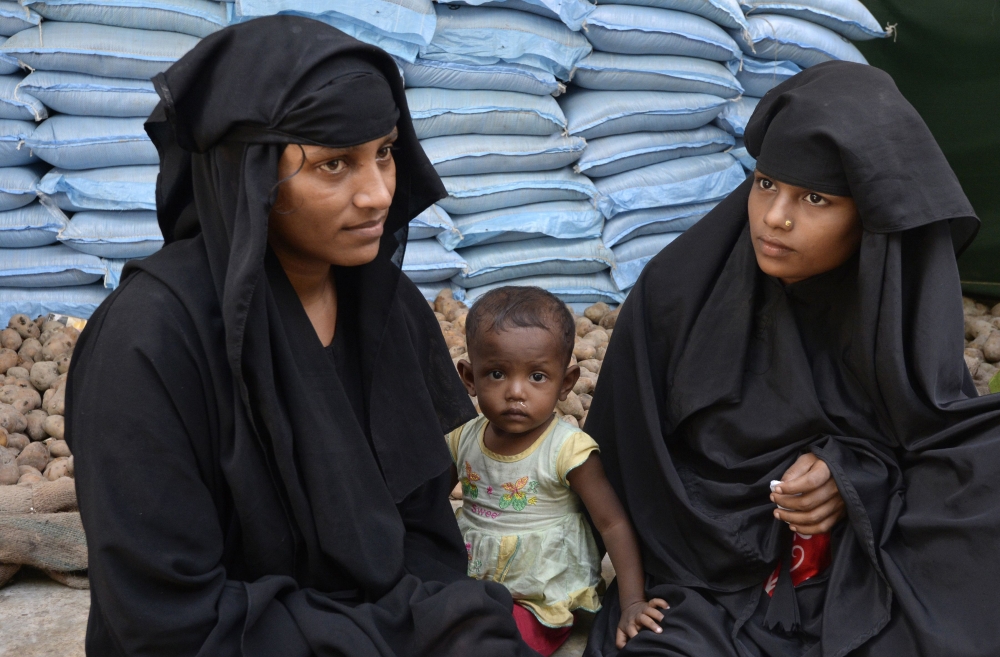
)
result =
(243, 493)
(718, 378)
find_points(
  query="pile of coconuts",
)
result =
(34, 360)
(593, 332)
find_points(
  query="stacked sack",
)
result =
(90, 67)
(481, 96)
(661, 72)
(785, 36)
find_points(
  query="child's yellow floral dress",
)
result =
(522, 523)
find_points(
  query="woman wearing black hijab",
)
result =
(747, 354)
(245, 489)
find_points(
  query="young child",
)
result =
(524, 473)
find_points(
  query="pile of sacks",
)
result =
(88, 161)
(39, 525)
(661, 99)
(593, 333)
(575, 140)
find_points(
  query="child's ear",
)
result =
(465, 372)
(569, 380)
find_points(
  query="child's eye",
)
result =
(496, 375)
(537, 377)
(765, 183)
(815, 199)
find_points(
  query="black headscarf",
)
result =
(719, 377)
(288, 504)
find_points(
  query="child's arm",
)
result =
(589, 482)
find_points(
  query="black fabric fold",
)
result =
(719, 377)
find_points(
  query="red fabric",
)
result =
(811, 555)
(543, 640)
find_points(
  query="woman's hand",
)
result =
(810, 495)
(639, 615)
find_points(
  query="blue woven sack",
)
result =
(432, 290)
(113, 273)
(440, 112)
(32, 225)
(15, 18)
(115, 52)
(109, 234)
(572, 13)
(593, 114)
(583, 288)
(776, 37)
(92, 142)
(741, 154)
(848, 18)
(562, 219)
(759, 76)
(676, 182)
(652, 221)
(13, 151)
(497, 77)
(541, 256)
(195, 17)
(8, 64)
(399, 27)
(433, 222)
(726, 13)
(113, 188)
(608, 156)
(631, 30)
(79, 301)
(470, 194)
(18, 185)
(16, 103)
(735, 116)
(426, 261)
(89, 95)
(632, 256)
(483, 35)
(48, 266)
(604, 71)
(478, 154)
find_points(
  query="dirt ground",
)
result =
(42, 618)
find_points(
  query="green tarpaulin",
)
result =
(946, 60)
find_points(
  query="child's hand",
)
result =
(637, 616)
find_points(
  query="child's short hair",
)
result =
(521, 307)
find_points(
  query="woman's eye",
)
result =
(333, 166)
(385, 153)
(496, 375)
(815, 199)
(537, 377)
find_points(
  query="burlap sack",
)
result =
(49, 541)
(41, 497)
(40, 527)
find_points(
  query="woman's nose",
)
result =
(778, 213)
(373, 193)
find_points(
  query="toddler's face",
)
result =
(518, 375)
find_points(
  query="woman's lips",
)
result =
(773, 248)
(369, 229)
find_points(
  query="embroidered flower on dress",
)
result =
(469, 489)
(516, 497)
